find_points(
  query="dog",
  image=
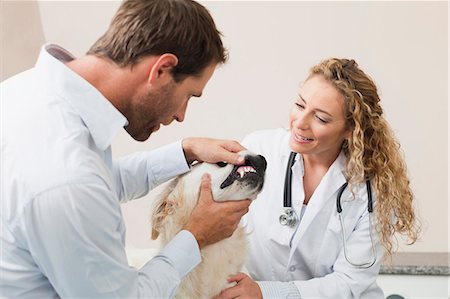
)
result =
(175, 204)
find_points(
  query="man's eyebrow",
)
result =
(320, 110)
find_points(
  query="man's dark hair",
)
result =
(142, 28)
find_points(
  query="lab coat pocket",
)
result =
(334, 235)
(279, 238)
(334, 225)
(330, 247)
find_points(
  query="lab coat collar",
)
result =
(100, 116)
(323, 198)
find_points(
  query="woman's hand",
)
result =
(212, 150)
(245, 288)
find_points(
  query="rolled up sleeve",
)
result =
(136, 174)
(76, 235)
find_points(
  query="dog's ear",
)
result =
(164, 206)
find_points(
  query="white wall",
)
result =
(18, 54)
(402, 45)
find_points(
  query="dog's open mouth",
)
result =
(252, 171)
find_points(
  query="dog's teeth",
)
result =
(245, 169)
(249, 169)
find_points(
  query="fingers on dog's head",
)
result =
(234, 158)
(205, 188)
(206, 182)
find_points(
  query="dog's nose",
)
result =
(258, 162)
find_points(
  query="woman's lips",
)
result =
(302, 139)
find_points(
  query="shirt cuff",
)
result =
(183, 251)
(174, 162)
(278, 289)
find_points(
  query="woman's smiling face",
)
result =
(317, 120)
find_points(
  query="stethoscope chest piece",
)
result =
(289, 217)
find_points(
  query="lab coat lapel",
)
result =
(322, 200)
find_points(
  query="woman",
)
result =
(339, 132)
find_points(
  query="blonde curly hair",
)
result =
(372, 151)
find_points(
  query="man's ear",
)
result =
(161, 71)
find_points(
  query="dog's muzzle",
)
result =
(252, 172)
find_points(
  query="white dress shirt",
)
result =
(62, 231)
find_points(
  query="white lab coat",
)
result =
(312, 254)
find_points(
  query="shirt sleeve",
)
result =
(138, 173)
(75, 234)
(278, 290)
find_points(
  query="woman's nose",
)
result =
(301, 121)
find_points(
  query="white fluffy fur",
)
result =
(171, 213)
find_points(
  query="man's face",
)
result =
(155, 107)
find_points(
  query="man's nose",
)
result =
(179, 116)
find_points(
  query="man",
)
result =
(62, 229)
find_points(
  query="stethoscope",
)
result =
(290, 218)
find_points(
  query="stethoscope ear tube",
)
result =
(369, 197)
(288, 182)
(338, 201)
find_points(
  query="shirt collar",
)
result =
(101, 118)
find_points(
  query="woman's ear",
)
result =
(161, 71)
(348, 134)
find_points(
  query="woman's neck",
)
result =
(318, 161)
(315, 167)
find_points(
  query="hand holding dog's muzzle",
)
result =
(213, 221)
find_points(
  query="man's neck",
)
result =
(115, 83)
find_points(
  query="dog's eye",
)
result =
(222, 164)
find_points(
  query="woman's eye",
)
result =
(322, 120)
(300, 106)
(222, 164)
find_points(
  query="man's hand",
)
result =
(213, 221)
(212, 150)
(245, 288)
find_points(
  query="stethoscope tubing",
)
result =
(289, 217)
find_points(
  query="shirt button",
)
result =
(292, 268)
(298, 202)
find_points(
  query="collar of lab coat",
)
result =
(324, 196)
(101, 118)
